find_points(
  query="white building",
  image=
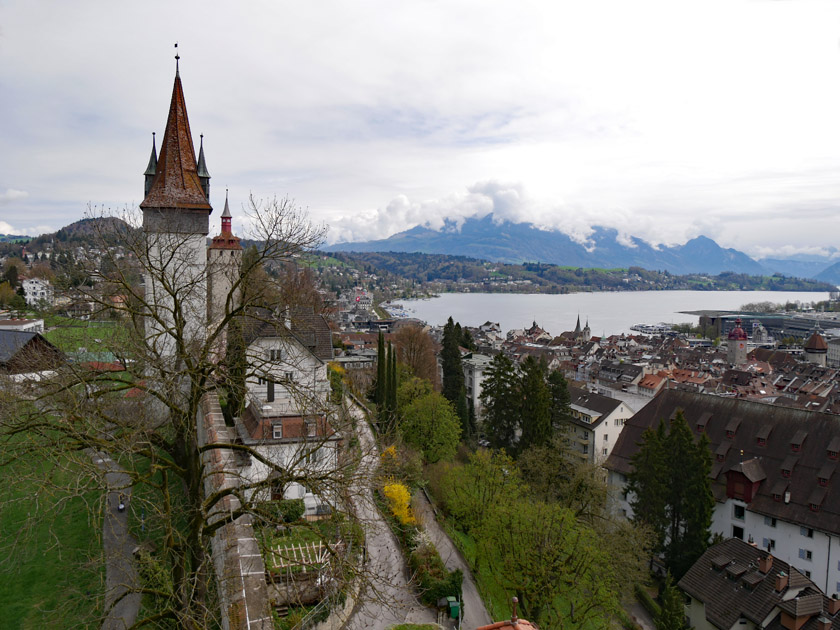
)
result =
(774, 473)
(38, 292)
(287, 415)
(474, 366)
(596, 422)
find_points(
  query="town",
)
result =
(242, 431)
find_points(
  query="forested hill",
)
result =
(461, 272)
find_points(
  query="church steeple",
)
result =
(151, 169)
(201, 170)
(176, 184)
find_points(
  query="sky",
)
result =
(665, 120)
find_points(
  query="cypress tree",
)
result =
(453, 375)
(394, 385)
(379, 391)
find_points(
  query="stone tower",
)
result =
(736, 349)
(176, 220)
(816, 349)
(224, 260)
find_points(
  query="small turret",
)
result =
(201, 170)
(151, 169)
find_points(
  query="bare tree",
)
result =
(145, 417)
(416, 349)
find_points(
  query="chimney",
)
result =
(833, 605)
(823, 623)
(765, 564)
(781, 581)
(787, 496)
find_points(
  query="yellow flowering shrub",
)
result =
(399, 500)
(389, 454)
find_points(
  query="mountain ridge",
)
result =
(523, 242)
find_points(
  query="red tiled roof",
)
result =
(176, 184)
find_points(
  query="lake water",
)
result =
(608, 312)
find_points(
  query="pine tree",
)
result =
(673, 492)
(647, 484)
(536, 405)
(500, 398)
(560, 399)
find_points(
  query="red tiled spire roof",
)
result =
(226, 240)
(176, 183)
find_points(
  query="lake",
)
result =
(608, 312)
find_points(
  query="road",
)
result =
(386, 598)
(118, 544)
(475, 614)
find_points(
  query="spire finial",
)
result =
(177, 59)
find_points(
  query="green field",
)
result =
(69, 335)
(51, 572)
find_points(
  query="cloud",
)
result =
(12, 194)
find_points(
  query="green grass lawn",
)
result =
(71, 334)
(53, 576)
(496, 599)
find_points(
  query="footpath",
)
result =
(475, 613)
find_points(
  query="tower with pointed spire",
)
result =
(224, 260)
(176, 221)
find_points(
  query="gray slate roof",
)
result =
(777, 426)
(725, 596)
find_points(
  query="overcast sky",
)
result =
(665, 120)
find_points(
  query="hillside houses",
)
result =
(774, 472)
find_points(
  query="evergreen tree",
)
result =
(393, 385)
(560, 399)
(536, 405)
(379, 388)
(646, 485)
(453, 375)
(500, 398)
(673, 492)
(672, 611)
(467, 340)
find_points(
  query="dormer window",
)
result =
(786, 473)
(823, 481)
(730, 434)
(832, 454)
(795, 447)
(777, 497)
(761, 442)
(277, 431)
(815, 507)
(720, 457)
(701, 427)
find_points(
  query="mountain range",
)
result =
(508, 242)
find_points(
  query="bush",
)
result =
(647, 601)
(289, 510)
(399, 500)
(432, 576)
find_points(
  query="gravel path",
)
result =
(387, 598)
(475, 614)
(118, 544)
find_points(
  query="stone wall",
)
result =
(240, 571)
